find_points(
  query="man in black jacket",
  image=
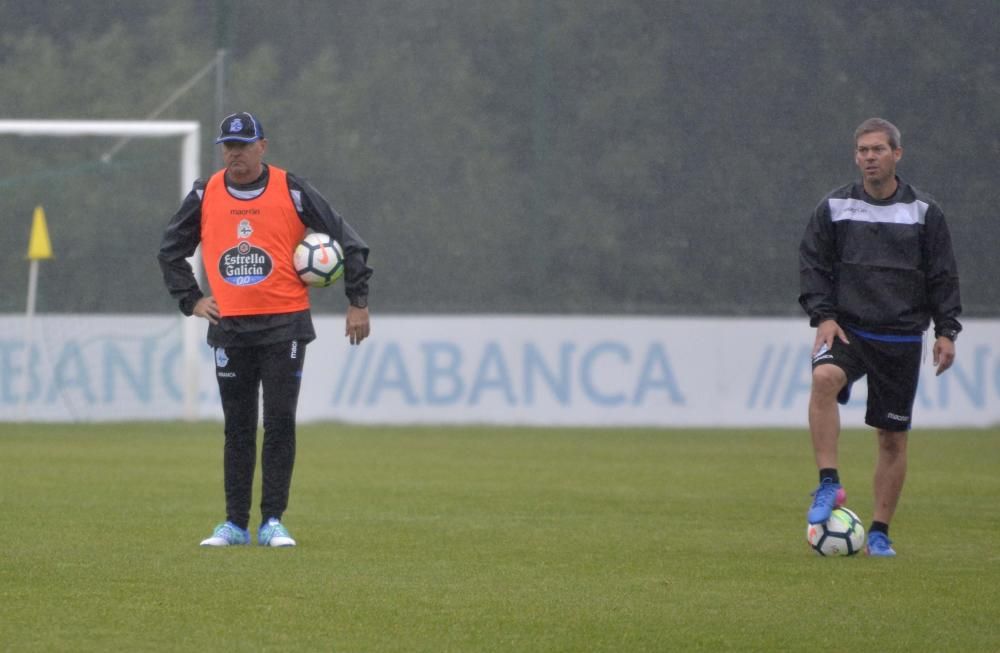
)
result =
(876, 266)
(260, 323)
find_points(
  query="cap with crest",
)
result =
(243, 127)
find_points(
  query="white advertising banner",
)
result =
(539, 370)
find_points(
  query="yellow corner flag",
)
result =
(39, 246)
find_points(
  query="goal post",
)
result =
(189, 131)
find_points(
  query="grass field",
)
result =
(491, 539)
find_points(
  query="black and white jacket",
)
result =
(883, 265)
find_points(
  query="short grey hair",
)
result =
(880, 125)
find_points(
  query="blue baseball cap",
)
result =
(243, 127)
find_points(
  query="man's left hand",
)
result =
(944, 354)
(358, 326)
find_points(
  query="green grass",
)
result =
(490, 539)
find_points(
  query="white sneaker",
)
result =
(273, 533)
(227, 534)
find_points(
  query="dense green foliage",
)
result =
(643, 156)
(490, 539)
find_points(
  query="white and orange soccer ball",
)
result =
(843, 534)
(319, 260)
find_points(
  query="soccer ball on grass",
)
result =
(842, 535)
(319, 260)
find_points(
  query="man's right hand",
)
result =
(825, 333)
(208, 309)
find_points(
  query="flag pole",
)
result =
(39, 247)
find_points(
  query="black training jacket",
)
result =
(885, 265)
(183, 234)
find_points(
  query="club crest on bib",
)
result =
(244, 230)
(245, 265)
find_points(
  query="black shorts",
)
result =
(893, 369)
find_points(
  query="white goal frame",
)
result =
(189, 131)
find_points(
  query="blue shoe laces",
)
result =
(230, 532)
(826, 495)
(879, 541)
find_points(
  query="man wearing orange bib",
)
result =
(248, 218)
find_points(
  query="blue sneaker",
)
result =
(828, 495)
(227, 534)
(273, 533)
(879, 545)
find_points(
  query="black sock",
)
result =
(879, 527)
(829, 474)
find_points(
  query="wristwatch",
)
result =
(950, 334)
(359, 302)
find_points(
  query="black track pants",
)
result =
(241, 372)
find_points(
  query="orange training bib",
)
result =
(247, 248)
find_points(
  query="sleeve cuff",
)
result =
(950, 334)
(187, 303)
(815, 320)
